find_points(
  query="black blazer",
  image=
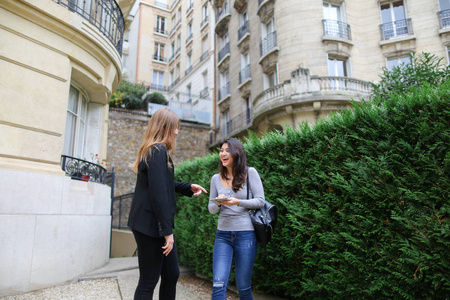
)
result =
(154, 203)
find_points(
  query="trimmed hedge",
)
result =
(363, 198)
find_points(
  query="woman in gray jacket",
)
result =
(235, 237)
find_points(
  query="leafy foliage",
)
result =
(363, 198)
(130, 95)
(424, 68)
(157, 98)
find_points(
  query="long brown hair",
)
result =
(237, 151)
(161, 129)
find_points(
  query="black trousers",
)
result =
(153, 264)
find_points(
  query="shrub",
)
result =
(157, 98)
(130, 94)
(363, 198)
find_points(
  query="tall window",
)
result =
(75, 124)
(160, 25)
(205, 47)
(158, 80)
(189, 92)
(177, 71)
(178, 42)
(337, 67)
(334, 21)
(159, 52)
(396, 61)
(189, 60)
(205, 13)
(227, 125)
(394, 21)
(444, 5)
(271, 79)
(245, 67)
(172, 48)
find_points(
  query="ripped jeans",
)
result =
(240, 246)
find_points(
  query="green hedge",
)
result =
(363, 198)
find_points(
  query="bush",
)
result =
(157, 98)
(424, 68)
(130, 95)
(363, 198)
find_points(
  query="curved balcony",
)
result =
(103, 14)
(336, 29)
(84, 170)
(304, 88)
(265, 10)
(269, 52)
(223, 19)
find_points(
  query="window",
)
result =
(444, 13)
(224, 88)
(243, 25)
(227, 125)
(177, 71)
(397, 61)
(171, 77)
(248, 117)
(160, 25)
(271, 79)
(158, 80)
(394, 20)
(189, 32)
(337, 67)
(269, 38)
(159, 52)
(174, 22)
(245, 67)
(179, 42)
(334, 21)
(205, 47)
(189, 92)
(172, 48)
(205, 12)
(444, 5)
(75, 133)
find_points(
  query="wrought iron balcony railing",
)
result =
(204, 55)
(244, 74)
(236, 124)
(396, 29)
(223, 91)
(190, 8)
(205, 20)
(224, 51)
(159, 58)
(105, 15)
(269, 42)
(444, 18)
(161, 4)
(189, 38)
(188, 70)
(243, 30)
(160, 30)
(204, 93)
(336, 28)
(82, 169)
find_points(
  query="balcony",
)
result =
(204, 22)
(83, 170)
(237, 124)
(175, 27)
(190, 9)
(204, 55)
(105, 15)
(204, 93)
(444, 18)
(243, 31)
(224, 91)
(159, 58)
(223, 54)
(160, 31)
(223, 18)
(184, 111)
(337, 29)
(162, 5)
(265, 10)
(396, 29)
(244, 75)
(188, 70)
(189, 38)
(269, 52)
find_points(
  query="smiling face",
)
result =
(225, 157)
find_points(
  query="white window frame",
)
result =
(397, 61)
(75, 132)
(160, 24)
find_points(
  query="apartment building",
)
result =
(170, 49)
(60, 62)
(280, 63)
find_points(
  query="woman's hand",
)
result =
(168, 246)
(230, 202)
(197, 190)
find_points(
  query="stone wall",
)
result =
(125, 134)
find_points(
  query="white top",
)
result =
(236, 218)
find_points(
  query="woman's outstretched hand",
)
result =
(197, 189)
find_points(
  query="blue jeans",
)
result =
(240, 246)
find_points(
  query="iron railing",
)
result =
(161, 4)
(105, 15)
(189, 38)
(396, 29)
(204, 93)
(191, 6)
(336, 28)
(81, 169)
(238, 123)
(444, 18)
(120, 210)
(160, 30)
(244, 74)
(158, 58)
(204, 55)
(269, 42)
(224, 51)
(188, 70)
(243, 30)
(225, 90)
(205, 20)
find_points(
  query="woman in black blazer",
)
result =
(153, 208)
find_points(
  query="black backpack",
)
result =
(264, 220)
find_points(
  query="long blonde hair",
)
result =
(161, 129)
